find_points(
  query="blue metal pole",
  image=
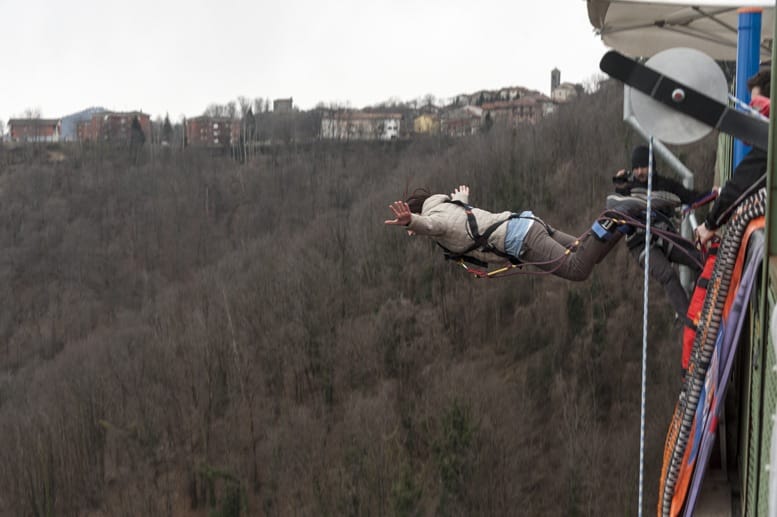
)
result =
(748, 57)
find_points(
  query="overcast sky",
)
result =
(177, 57)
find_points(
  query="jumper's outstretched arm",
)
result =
(401, 214)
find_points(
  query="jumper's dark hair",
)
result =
(763, 80)
(416, 200)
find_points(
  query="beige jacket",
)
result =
(446, 223)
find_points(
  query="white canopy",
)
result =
(645, 27)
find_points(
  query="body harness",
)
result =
(480, 243)
(480, 240)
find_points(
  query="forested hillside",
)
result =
(191, 336)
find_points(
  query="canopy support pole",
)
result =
(748, 55)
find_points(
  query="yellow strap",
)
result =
(501, 270)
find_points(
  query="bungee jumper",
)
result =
(510, 240)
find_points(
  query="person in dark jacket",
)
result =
(751, 171)
(667, 195)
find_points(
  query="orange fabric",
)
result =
(681, 484)
(683, 477)
(739, 265)
(671, 438)
(699, 294)
(695, 306)
(685, 473)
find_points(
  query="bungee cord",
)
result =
(682, 245)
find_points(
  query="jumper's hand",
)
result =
(703, 235)
(461, 189)
(401, 213)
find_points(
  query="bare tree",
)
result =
(167, 131)
(218, 110)
(247, 132)
(32, 113)
(244, 104)
(221, 334)
(231, 109)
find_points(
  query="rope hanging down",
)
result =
(644, 331)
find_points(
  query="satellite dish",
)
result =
(692, 68)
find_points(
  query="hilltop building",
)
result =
(463, 121)
(208, 131)
(562, 92)
(481, 97)
(283, 105)
(529, 108)
(426, 124)
(116, 127)
(34, 130)
(359, 125)
(70, 122)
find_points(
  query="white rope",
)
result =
(644, 328)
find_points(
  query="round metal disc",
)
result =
(692, 68)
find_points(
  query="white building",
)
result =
(358, 125)
(564, 92)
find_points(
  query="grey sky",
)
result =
(178, 56)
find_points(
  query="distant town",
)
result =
(224, 126)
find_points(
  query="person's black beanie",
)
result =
(640, 156)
